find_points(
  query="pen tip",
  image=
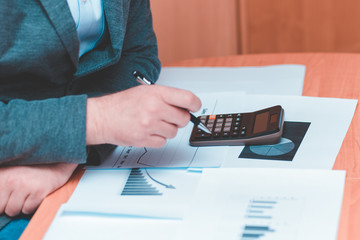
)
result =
(204, 128)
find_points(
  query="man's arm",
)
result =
(44, 131)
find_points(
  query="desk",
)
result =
(327, 75)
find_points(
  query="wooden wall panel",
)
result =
(195, 28)
(300, 26)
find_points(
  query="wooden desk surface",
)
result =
(327, 75)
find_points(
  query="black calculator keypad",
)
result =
(264, 126)
(222, 126)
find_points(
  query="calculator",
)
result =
(261, 127)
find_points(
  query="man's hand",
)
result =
(24, 187)
(143, 116)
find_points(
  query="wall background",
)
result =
(202, 28)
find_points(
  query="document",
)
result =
(242, 204)
(273, 80)
(126, 204)
(221, 203)
(146, 192)
(78, 226)
(314, 130)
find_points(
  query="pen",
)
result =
(142, 80)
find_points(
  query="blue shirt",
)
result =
(88, 16)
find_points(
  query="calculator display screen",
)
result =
(261, 122)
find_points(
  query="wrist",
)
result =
(93, 122)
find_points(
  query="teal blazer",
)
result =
(43, 84)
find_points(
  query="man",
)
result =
(66, 89)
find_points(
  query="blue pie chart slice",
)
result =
(283, 147)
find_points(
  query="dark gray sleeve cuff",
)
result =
(43, 131)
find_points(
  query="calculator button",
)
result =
(226, 129)
(220, 120)
(212, 117)
(216, 135)
(237, 123)
(235, 133)
(209, 125)
(211, 121)
(243, 128)
(218, 125)
(226, 134)
(227, 124)
(217, 129)
(228, 120)
(242, 133)
(203, 117)
(235, 128)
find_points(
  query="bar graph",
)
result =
(270, 218)
(137, 185)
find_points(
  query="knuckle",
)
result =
(192, 101)
(186, 120)
(183, 120)
(146, 122)
(11, 180)
(158, 143)
(188, 97)
(28, 210)
(12, 211)
(173, 133)
(30, 206)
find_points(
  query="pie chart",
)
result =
(284, 146)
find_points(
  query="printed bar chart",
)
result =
(137, 185)
(268, 218)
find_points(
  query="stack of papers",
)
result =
(228, 204)
(281, 191)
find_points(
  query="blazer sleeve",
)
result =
(53, 130)
(43, 131)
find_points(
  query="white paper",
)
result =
(328, 120)
(271, 203)
(137, 192)
(67, 225)
(276, 79)
(275, 203)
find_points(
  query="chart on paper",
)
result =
(249, 218)
(271, 218)
(266, 204)
(137, 185)
(285, 150)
